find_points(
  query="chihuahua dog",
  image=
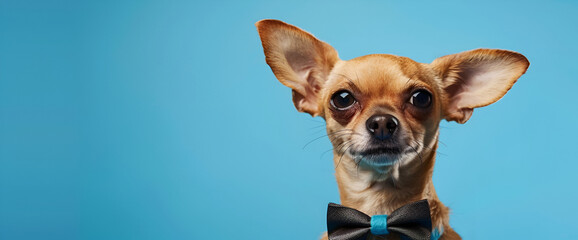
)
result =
(383, 112)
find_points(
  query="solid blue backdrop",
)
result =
(161, 120)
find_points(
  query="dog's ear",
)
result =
(299, 60)
(476, 78)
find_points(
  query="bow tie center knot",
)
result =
(379, 225)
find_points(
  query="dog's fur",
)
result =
(379, 175)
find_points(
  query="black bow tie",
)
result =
(412, 220)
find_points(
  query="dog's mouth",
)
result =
(378, 156)
(382, 151)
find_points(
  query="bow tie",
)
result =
(412, 220)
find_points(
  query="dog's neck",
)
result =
(381, 192)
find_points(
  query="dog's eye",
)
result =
(342, 100)
(421, 99)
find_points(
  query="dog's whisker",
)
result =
(440, 141)
(340, 131)
(318, 132)
(342, 145)
(325, 152)
(333, 136)
(315, 120)
(418, 153)
(317, 138)
(326, 135)
(441, 154)
(345, 129)
(342, 135)
(343, 154)
(316, 127)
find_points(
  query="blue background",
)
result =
(161, 120)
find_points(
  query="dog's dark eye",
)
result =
(342, 100)
(421, 99)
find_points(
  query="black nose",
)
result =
(382, 126)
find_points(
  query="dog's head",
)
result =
(381, 109)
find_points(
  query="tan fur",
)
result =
(383, 84)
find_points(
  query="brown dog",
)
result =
(383, 111)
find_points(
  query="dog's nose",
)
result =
(382, 126)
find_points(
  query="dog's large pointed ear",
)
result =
(299, 60)
(476, 78)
